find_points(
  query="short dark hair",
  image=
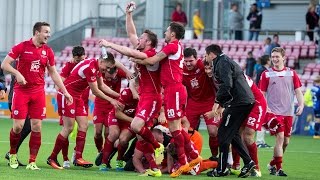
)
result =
(250, 53)
(110, 58)
(188, 52)
(152, 37)
(206, 63)
(78, 51)
(178, 4)
(275, 35)
(264, 59)
(178, 29)
(214, 48)
(37, 26)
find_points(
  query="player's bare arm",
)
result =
(136, 159)
(58, 81)
(97, 92)
(6, 66)
(132, 87)
(130, 27)
(123, 49)
(300, 99)
(129, 74)
(106, 89)
(122, 116)
(152, 60)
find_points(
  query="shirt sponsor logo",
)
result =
(28, 52)
(35, 65)
(129, 111)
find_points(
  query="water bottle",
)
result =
(104, 52)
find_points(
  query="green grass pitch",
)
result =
(301, 160)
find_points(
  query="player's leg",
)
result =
(99, 117)
(288, 121)
(248, 138)
(37, 112)
(114, 132)
(148, 107)
(61, 141)
(276, 163)
(98, 138)
(81, 140)
(19, 112)
(212, 127)
(124, 138)
(25, 131)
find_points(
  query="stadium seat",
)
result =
(312, 51)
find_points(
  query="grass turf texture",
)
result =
(301, 159)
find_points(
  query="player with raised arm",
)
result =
(149, 83)
(175, 95)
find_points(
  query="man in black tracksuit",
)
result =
(235, 95)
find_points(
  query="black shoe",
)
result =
(247, 169)
(98, 160)
(281, 173)
(212, 158)
(7, 157)
(267, 146)
(272, 169)
(215, 173)
(108, 165)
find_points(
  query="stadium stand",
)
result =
(237, 50)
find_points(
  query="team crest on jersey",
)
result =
(93, 70)
(114, 120)
(15, 112)
(194, 83)
(72, 111)
(94, 118)
(44, 52)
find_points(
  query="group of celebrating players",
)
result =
(166, 96)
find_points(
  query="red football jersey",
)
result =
(67, 68)
(113, 83)
(84, 72)
(65, 72)
(171, 66)
(129, 103)
(31, 63)
(255, 90)
(199, 86)
(149, 76)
